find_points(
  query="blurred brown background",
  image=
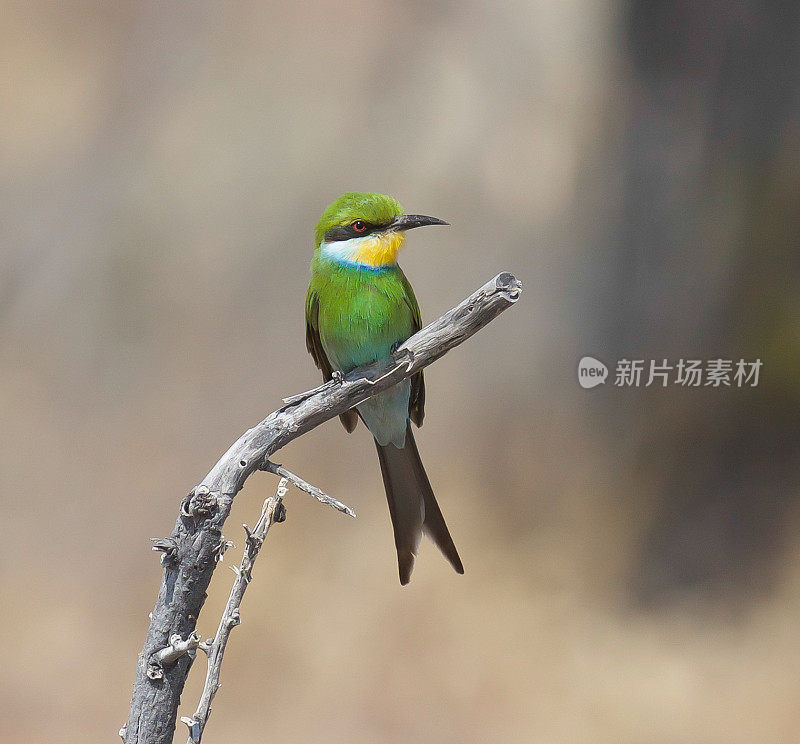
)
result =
(631, 555)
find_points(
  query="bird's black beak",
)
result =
(409, 221)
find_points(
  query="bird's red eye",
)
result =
(359, 226)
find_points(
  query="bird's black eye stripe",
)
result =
(345, 232)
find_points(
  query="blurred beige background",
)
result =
(631, 555)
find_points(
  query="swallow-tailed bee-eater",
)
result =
(360, 307)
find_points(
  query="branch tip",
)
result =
(508, 284)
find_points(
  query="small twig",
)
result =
(317, 493)
(273, 511)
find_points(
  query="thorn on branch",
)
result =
(170, 654)
(168, 549)
(221, 547)
(253, 540)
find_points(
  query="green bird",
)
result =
(360, 307)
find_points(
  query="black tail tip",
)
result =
(405, 565)
(453, 558)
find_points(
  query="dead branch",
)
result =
(196, 544)
(272, 511)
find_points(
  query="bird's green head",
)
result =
(365, 230)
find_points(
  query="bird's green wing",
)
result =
(314, 345)
(416, 403)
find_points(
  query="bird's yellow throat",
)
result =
(381, 249)
(373, 251)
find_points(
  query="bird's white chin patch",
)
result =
(370, 252)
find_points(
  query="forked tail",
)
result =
(413, 506)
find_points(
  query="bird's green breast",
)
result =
(362, 312)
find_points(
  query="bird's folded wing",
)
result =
(416, 403)
(314, 346)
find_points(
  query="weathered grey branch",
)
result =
(317, 493)
(271, 512)
(191, 552)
